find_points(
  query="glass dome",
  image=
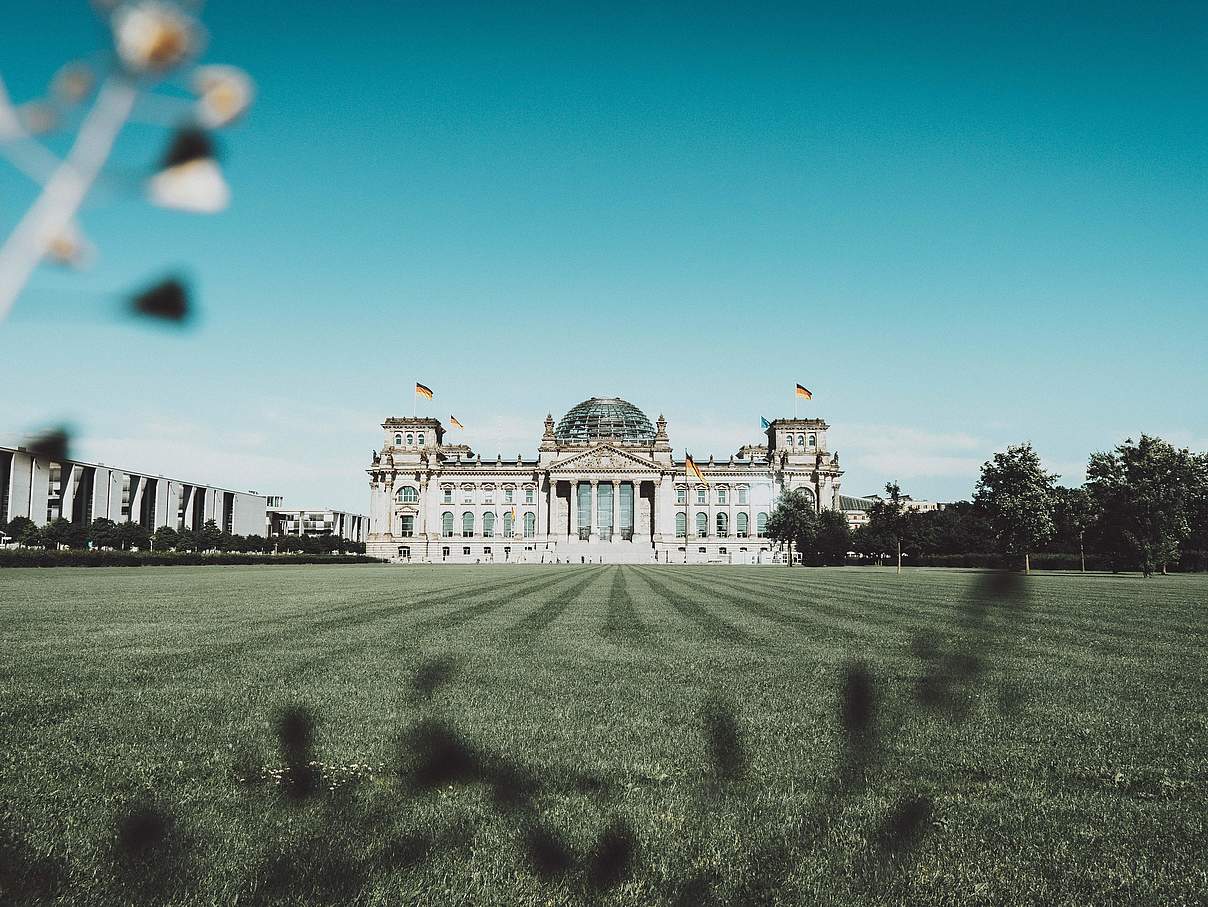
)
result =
(605, 417)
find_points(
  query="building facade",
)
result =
(44, 489)
(314, 523)
(603, 488)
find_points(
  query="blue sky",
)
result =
(961, 226)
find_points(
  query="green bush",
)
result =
(34, 557)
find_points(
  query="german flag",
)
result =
(453, 421)
(693, 470)
(423, 390)
(803, 393)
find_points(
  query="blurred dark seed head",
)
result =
(614, 855)
(50, 445)
(857, 701)
(924, 647)
(512, 786)
(188, 144)
(963, 665)
(432, 675)
(546, 852)
(408, 850)
(433, 755)
(295, 734)
(1002, 584)
(295, 727)
(933, 691)
(142, 832)
(168, 300)
(905, 825)
(724, 739)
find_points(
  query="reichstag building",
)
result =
(603, 488)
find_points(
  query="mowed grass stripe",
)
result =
(453, 619)
(308, 629)
(813, 617)
(623, 624)
(685, 605)
(533, 623)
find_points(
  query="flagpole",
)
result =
(687, 497)
(414, 399)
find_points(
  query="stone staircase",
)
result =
(576, 552)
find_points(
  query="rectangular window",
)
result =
(604, 508)
(700, 495)
(743, 493)
(530, 495)
(465, 550)
(448, 496)
(507, 495)
(468, 496)
(722, 496)
(681, 496)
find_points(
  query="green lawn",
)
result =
(629, 735)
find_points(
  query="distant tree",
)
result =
(165, 538)
(188, 540)
(1196, 545)
(1146, 494)
(1016, 494)
(257, 544)
(793, 521)
(226, 541)
(102, 533)
(833, 538)
(61, 532)
(209, 536)
(887, 520)
(24, 530)
(133, 535)
(1073, 514)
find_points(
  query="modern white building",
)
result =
(44, 489)
(337, 523)
(603, 488)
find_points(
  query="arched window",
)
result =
(681, 524)
(801, 440)
(398, 440)
(530, 525)
(723, 494)
(813, 440)
(702, 525)
(446, 524)
(761, 525)
(407, 495)
(507, 525)
(467, 525)
(408, 527)
(488, 524)
(723, 524)
(419, 439)
(410, 439)
(742, 521)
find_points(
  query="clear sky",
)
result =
(961, 225)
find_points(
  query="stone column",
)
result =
(592, 516)
(616, 510)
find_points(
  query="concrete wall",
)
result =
(29, 489)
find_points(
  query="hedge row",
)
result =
(34, 557)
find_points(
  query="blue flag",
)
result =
(764, 423)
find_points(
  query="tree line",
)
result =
(106, 534)
(1143, 506)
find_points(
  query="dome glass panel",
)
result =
(605, 417)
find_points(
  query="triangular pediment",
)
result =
(604, 458)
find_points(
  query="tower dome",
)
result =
(605, 417)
